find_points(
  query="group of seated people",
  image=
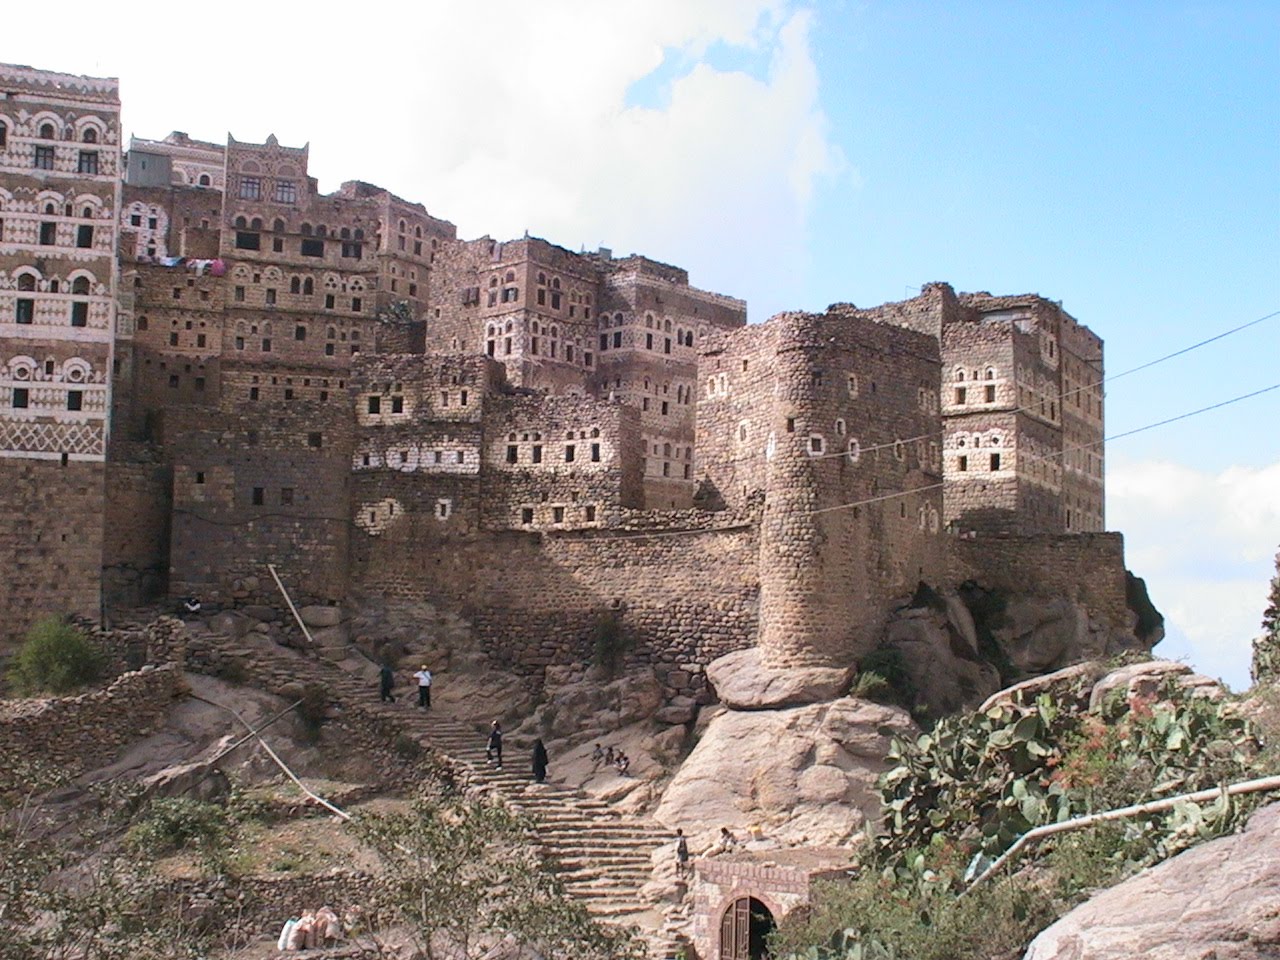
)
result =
(608, 757)
(310, 931)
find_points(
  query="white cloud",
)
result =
(509, 115)
(1204, 542)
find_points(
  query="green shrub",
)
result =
(959, 795)
(406, 747)
(56, 658)
(890, 667)
(869, 685)
(313, 709)
(179, 823)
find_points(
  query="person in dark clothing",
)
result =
(493, 749)
(539, 761)
(386, 680)
(682, 855)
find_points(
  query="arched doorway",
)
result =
(743, 929)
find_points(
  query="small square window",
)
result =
(526, 515)
(286, 496)
(315, 440)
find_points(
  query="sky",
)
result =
(1121, 158)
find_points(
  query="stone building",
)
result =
(1021, 396)
(59, 197)
(531, 437)
(588, 325)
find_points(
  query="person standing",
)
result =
(386, 680)
(682, 855)
(493, 749)
(539, 761)
(423, 677)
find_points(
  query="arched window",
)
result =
(542, 279)
(46, 131)
(305, 229)
(555, 283)
(241, 223)
(86, 213)
(80, 285)
(26, 282)
(359, 234)
(90, 135)
(255, 223)
(402, 226)
(322, 230)
(295, 285)
(991, 373)
(204, 180)
(417, 232)
(308, 287)
(510, 276)
(278, 227)
(959, 375)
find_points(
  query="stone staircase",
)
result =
(603, 857)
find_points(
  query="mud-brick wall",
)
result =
(70, 732)
(50, 541)
(534, 599)
(135, 556)
(1088, 567)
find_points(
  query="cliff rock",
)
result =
(803, 773)
(1219, 901)
(743, 681)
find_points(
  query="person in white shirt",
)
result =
(423, 677)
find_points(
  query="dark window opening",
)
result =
(248, 241)
(375, 404)
(21, 397)
(259, 496)
(313, 248)
(397, 404)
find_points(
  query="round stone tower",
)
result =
(801, 620)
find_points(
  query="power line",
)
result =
(739, 524)
(1062, 396)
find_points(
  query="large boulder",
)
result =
(321, 616)
(1218, 901)
(743, 681)
(1040, 634)
(806, 774)
(940, 657)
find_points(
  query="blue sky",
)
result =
(1122, 157)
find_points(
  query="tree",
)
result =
(460, 876)
(1266, 648)
(57, 902)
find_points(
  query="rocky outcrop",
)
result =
(1219, 901)
(805, 774)
(939, 655)
(744, 682)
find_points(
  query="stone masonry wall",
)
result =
(51, 536)
(1087, 567)
(71, 732)
(687, 592)
(135, 556)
